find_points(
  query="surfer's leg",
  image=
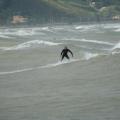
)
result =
(62, 57)
(67, 56)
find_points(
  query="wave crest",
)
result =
(30, 44)
(117, 46)
(88, 56)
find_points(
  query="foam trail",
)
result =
(45, 66)
(16, 71)
(60, 63)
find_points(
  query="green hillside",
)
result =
(77, 8)
(45, 11)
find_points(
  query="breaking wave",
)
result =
(30, 44)
(115, 49)
(90, 41)
(18, 32)
(4, 36)
(117, 30)
(117, 46)
(85, 27)
(40, 67)
(88, 56)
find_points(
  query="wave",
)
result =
(92, 48)
(40, 67)
(40, 30)
(90, 41)
(45, 28)
(79, 27)
(116, 49)
(115, 25)
(115, 52)
(117, 30)
(60, 63)
(88, 56)
(4, 36)
(30, 44)
(18, 32)
(16, 71)
(97, 42)
(117, 46)
(85, 27)
(25, 32)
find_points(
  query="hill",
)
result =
(48, 11)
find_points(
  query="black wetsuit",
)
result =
(64, 53)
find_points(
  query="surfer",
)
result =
(64, 53)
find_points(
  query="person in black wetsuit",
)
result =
(64, 53)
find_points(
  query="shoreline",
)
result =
(59, 24)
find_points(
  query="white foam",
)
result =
(115, 25)
(117, 30)
(58, 28)
(4, 36)
(90, 41)
(115, 52)
(60, 63)
(96, 41)
(30, 44)
(85, 27)
(88, 55)
(78, 27)
(40, 67)
(18, 32)
(116, 49)
(36, 42)
(16, 71)
(48, 29)
(45, 28)
(116, 46)
(25, 32)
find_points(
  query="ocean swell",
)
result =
(30, 44)
(89, 41)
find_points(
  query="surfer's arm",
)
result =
(71, 52)
(62, 52)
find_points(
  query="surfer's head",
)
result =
(65, 47)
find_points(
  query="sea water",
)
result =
(36, 85)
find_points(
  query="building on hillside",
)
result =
(117, 17)
(18, 19)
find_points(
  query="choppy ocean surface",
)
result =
(35, 85)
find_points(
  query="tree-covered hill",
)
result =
(44, 11)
